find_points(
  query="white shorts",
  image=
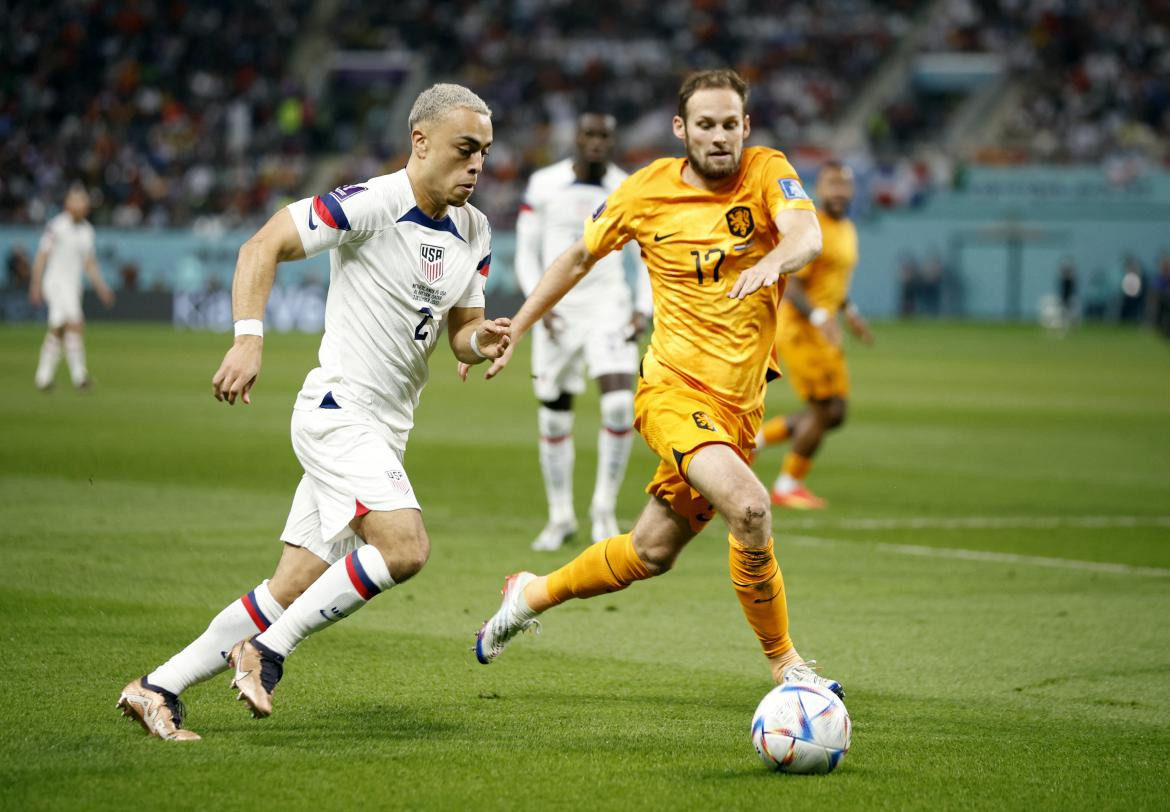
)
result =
(350, 470)
(559, 366)
(64, 307)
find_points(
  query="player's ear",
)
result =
(747, 125)
(680, 128)
(418, 143)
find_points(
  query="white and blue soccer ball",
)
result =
(801, 728)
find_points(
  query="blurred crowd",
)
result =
(538, 63)
(1097, 73)
(168, 111)
(186, 114)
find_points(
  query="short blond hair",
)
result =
(440, 99)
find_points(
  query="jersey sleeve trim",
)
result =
(330, 212)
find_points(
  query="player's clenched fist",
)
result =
(239, 369)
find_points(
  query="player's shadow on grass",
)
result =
(644, 702)
(349, 722)
(754, 770)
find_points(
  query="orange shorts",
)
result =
(814, 366)
(677, 419)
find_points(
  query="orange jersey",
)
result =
(826, 278)
(695, 245)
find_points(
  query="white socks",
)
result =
(50, 357)
(556, 463)
(340, 591)
(75, 357)
(207, 654)
(614, 439)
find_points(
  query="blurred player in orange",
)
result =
(718, 230)
(809, 341)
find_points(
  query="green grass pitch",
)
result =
(990, 583)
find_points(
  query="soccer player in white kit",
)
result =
(595, 327)
(408, 257)
(66, 251)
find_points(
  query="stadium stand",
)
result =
(169, 112)
(171, 115)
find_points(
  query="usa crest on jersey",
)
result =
(431, 262)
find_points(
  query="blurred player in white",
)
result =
(594, 328)
(66, 251)
(408, 257)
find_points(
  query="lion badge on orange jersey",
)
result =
(740, 221)
(703, 421)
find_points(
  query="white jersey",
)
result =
(552, 217)
(394, 275)
(69, 245)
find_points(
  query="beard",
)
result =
(837, 209)
(705, 169)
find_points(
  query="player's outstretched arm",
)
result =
(276, 241)
(800, 245)
(566, 271)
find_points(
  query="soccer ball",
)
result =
(801, 728)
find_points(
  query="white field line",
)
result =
(977, 522)
(982, 555)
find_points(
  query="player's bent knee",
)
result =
(407, 561)
(617, 410)
(749, 516)
(407, 555)
(836, 413)
(402, 540)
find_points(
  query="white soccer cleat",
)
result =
(508, 621)
(605, 525)
(554, 535)
(804, 673)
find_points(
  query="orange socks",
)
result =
(774, 431)
(796, 465)
(755, 574)
(608, 566)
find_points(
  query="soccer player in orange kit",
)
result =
(719, 230)
(809, 341)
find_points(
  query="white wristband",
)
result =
(249, 327)
(475, 344)
(818, 317)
